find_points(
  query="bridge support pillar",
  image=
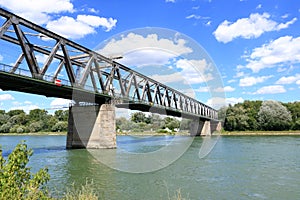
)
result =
(92, 127)
(204, 128)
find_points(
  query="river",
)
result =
(238, 167)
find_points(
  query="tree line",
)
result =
(140, 122)
(261, 115)
(37, 120)
(246, 116)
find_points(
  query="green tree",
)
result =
(35, 126)
(61, 115)
(236, 119)
(273, 116)
(15, 112)
(20, 119)
(4, 118)
(138, 117)
(60, 126)
(294, 108)
(5, 128)
(16, 180)
(37, 115)
(171, 123)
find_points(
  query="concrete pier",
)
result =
(92, 127)
(204, 128)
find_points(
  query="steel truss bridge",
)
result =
(89, 76)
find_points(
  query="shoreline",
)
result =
(260, 133)
(185, 133)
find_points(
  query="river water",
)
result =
(238, 167)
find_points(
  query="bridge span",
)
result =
(72, 71)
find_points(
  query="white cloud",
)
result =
(1, 57)
(288, 79)
(28, 102)
(218, 102)
(247, 28)
(284, 50)
(147, 57)
(41, 58)
(250, 81)
(58, 102)
(5, 97)
(172, 1)
(95, 21)
(259, 6)
(193, 16)
(231, 81)
(81, 26)
(225, 89)
(272, 89)
(191, 72)
(285, 16)
(26, 108)
(298, 82)
(37, 11)
(43, 13)
(202, 89)
(135, 42)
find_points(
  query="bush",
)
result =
(16, 180)
(60, 126)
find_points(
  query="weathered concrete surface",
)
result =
(92, 127)
(204, 128)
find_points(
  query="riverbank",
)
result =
(37, 133)
(260, 133)
(181, 133)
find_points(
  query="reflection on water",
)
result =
(237, 168)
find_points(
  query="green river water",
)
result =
(238, 167)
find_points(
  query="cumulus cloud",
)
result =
(58, 102)
(44, 12)
(5, 97)
(202, 89)
(224, 89)
(271, 89)
(26, 108)
(288, 79)
(38, 11)
(250, 81)
(218, 102)
(135, 42)
(284, 50)
(252, 27)
(190, 72)
(147, 57)
(81, 26)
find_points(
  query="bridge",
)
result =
(97, 84)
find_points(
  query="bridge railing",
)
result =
(78, 66)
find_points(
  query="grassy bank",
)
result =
(262, 133)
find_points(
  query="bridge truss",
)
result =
(43, 56)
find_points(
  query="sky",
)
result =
(251, 46)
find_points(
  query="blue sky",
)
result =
(255, 45)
